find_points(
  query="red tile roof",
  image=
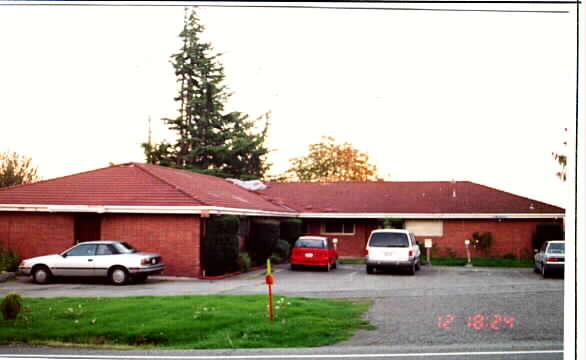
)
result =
(445, 197)
(136, 184)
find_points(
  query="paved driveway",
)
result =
(346, 281)
(440, 306)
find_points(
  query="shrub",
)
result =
(8, 260)
(11, 306)
(244, 262)
(221, 246)
(392, 223)
(510, 256)
(291, 230)
(282, 248)
(262, 241)
(482, 241)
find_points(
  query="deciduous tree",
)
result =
(16, 169)
(328, 161)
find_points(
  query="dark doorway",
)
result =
(87, 227)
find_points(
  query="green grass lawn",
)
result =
(195, 322)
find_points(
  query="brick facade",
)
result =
(30, 234)
(510, 236)
(175, 237)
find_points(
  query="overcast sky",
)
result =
(476, 95)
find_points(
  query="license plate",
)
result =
(309, 255)
(388, 253)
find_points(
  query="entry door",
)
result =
(87, 227)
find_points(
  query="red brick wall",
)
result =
(36, 234)
(175, 237)
(510, 236)
(348, 244)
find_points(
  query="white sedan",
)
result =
(116, 260)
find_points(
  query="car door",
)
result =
(106, 256)
(78, 261)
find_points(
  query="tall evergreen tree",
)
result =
(209, 139)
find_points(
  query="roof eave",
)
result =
(498, 216)
(117, 209)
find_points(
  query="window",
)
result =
(337, 227)
(83, 250)
(389, 240)
(310, 244)
(105, 250)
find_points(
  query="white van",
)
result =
(391, 248)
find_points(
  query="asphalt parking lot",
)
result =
(345, 281)
(455, 307)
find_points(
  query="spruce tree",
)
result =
(209, 140)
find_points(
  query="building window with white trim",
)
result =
(338, 227)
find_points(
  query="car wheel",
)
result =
(418, 265)
(118, 276)
(41, 274)
(535, 268)
(335, 265)
(369, 269)
(412, 269)
(544, 271)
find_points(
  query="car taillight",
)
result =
(410, 253)
(552, 259)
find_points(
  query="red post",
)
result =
(270, 302)
(269, 280)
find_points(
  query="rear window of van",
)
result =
(389, 240)
(310, 244)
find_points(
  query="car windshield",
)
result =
(125, 248)
(389, 240)
(310, 244)
(556, 248)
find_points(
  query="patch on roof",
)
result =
(252, 185)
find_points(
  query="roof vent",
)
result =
(531, 207)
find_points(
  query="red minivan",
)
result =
(314, 251)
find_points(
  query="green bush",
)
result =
(11, 306)
(221, 246)
(244, 262)
(510, 256)
(291, 230)
(282, 248)
(8, 260)
(482, 241)
(262, 241)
